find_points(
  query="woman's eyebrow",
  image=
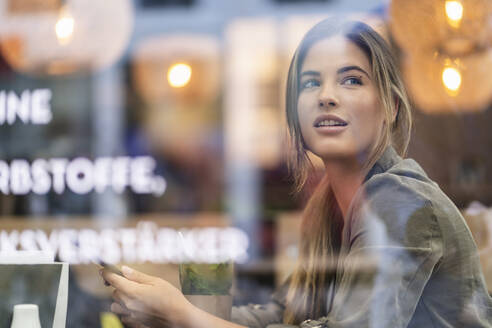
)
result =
(311, 73)
(351, 68)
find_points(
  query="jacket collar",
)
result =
(388, 159)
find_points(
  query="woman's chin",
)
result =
(336, 154)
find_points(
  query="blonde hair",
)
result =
(322, 220)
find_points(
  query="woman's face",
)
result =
(340, 113)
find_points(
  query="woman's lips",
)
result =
(330, 130)
(328, 119)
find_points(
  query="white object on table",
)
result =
(41, 257)
(26, 316)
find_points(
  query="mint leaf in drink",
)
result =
(205, 279)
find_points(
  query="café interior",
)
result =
(141, 132)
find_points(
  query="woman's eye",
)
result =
(352, 81)
(310, 84)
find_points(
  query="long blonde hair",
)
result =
(322, 220)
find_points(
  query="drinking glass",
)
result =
(208, 286)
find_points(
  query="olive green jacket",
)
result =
(407, 259)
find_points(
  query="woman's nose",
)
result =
(328, 102)
(327, 98)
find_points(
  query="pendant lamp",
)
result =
(184, 68)
(446, 54)
(439, 84)
(73, 36)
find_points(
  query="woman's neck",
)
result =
(345, 178)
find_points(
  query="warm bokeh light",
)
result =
(451, 78)
(64, 28)
(454, 12)
(72, 36)
(179, 75)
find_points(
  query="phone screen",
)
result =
(110, 267)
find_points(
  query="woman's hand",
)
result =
(145, 301)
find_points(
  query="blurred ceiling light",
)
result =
(454, 12)
(181, 56)
(438, 84)
(64, 28)
(451, 78)
(179, 75)
(46, 43)
(431, 32)
(454, 28)
(179, 120)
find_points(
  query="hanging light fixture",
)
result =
(178, 80)
(454, 12)
(453, 27)
(446, 51)
(441, 84)
(177, 66)
(451, 78)
(75, 36)
(64, 27)
(179, 75)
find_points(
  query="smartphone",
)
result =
(110, 267)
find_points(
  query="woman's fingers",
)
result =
(122, 299)
(139, 297)
(117, 297)
(138, 276)
(119, 309)
(135, 317)
(128, 302)
(125, 285)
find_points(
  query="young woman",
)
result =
(381, 244)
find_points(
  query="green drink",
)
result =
(205, 278)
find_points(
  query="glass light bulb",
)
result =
(454, 12)
(64, 28)
(451, 78)
(179, 75)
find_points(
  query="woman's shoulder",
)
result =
(399, 203)
(404, 183)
